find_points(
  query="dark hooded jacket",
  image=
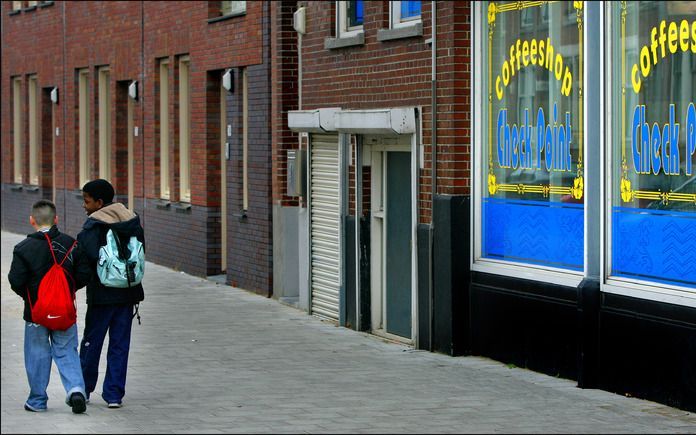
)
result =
(124, 223)
(32, 258)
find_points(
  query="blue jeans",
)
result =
(41, 346)
(117, 320)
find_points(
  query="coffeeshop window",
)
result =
(651, 221)
(531, 202)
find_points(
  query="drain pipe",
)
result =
(62, 103)
(433, 162)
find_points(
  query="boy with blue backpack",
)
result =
(113, 239)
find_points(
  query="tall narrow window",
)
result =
(17, 128)
(83, 126)
(131, 168)
(16, 5)
(232, 7)
(104, 123)
(405, 13)
(245, 139)
(350, 17)
(33, 131)
(184, 130)
(164, 128)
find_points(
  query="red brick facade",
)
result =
(56, 39)
(397, 73)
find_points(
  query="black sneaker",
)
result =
(77, 401)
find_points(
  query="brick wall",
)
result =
(54, 42)
(250, 263)
(397, 73)
(284, 81)
(24, 51)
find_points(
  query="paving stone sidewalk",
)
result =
(210, 358)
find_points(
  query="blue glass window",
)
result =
(532, 206)
(355, 13)
(410, 9)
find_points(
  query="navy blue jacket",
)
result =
(32, 258)
(123, 222)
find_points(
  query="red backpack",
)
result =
(55, 305)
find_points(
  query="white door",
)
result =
(325, 226)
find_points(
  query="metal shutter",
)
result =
(325, 226)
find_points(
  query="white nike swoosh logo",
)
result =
(53, 317)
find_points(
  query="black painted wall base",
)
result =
(648, 349)
(424, 287)
(526, 323)
(450, 269)
(625, 345)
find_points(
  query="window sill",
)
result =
(182, 207)
(16, 12)
(29, 8)
(16, 187)
(400, 32)
(31, 188)
(529, 272)
(241, 217)
(162, 204)
(346, 41)
(226, 17)
(45, 4)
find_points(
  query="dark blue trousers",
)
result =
(117, 320)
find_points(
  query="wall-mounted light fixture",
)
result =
(227, 80)
(54, 95)
(298, 20)
(133, 90)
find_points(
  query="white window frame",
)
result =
(532, 272)
(184, 129)
(343, 30)
(34, 162)
(659, 292)
(235, 7)
(245, 139)
(18, 149)
(104, 98)
(164, 128)
(16, 6)
(84, 133)
(395, 20)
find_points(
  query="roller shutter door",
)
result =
(325, 226)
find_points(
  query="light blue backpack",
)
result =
(113, 269)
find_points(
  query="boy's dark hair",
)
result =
(44, 212)
(99, 189)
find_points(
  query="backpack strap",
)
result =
(53, 254)
(136, 313)
(68, 253)
(124, 254)
(50, 247)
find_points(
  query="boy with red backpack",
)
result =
(47, 268)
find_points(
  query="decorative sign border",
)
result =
(577, 190)
(627, 193)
